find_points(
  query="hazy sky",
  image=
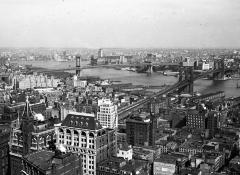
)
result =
(120, 23)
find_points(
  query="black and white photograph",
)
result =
(119, 87)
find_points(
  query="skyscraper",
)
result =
(107, 113)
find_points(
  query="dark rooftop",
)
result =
(40, 159)
(120, 164)
(80, 120)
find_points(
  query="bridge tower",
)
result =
(186, 74)
(78, 65)
(149, 67)
(219, 65)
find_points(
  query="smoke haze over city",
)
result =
(121, 23)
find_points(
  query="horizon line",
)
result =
(60, 47)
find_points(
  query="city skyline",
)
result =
(120, 24)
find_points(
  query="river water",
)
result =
(156, 78)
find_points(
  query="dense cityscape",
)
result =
(123, 87)
(56, 121)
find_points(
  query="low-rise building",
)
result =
(51, 163)
(125, 151)
(191, 146)
(119, 166)
(169, 164)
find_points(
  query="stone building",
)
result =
(82, 134)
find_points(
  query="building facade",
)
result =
(140, 131)
(4, 149)
(195, 119)
(107, 114)
(83, 134)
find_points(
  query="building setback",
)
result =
(82, 134)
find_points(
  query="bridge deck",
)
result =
(162, 92)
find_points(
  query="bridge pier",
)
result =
(149, 68)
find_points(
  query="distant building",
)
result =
(107, 114)
(196, 119)
(32, 81)
(213, 122)
(215, 96)
(140, 130)
(79, 82)
(205, 66)
(83, 134)
(50, 163)
(100, 53)
(31, 133)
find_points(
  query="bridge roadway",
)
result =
(175, 86)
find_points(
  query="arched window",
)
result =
(76, 123)
(91, 135)
(68, 131)
(61, 130)
(75, 133)
(83, 134)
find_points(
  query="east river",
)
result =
(154, 79)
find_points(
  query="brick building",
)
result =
(140, 130)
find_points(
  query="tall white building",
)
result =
(100, 53)
(107, 113)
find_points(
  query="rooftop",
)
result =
(118, 163)
(41, 159)
(171, 158)
(192, 144)
(81, 120)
